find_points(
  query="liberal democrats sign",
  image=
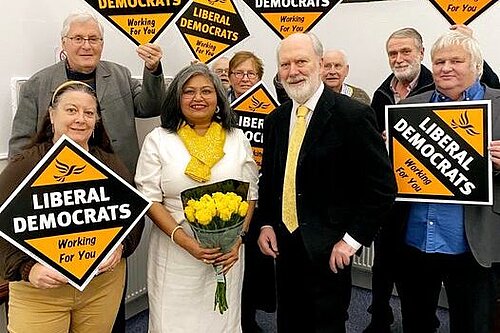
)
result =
(440, 153)
(71, 212)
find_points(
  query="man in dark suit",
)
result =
(451, 244)
(341, 184)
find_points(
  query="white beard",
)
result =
(408, 74)
(301, 93)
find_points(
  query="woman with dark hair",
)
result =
(196, 144)
(41, 300)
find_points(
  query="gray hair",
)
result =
(80, 18)
(469, 43)
(171, 114)
(316, 44)
(342, 53)
(407, 33)
(216, 61)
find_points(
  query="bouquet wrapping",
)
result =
(216, 213)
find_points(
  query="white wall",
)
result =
(30, 31)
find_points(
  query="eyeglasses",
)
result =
(240, 74)
(219, 71)
(330, 66)
(79, 40)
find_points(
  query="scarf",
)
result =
(205, 150)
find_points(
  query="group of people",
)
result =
(325, 188)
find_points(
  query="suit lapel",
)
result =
(282, 133)
(495, 105)
(101, 80)
(59, 77)
(320, 117)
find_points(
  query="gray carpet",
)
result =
(358, 317)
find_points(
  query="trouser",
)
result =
(470, 289)
(384, 272)
(65, 309)
(311, 298)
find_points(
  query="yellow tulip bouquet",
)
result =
(216, 213)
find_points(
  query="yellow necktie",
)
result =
(289, 211)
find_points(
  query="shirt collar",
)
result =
(473, 93)
(410, 87)
(312, 101)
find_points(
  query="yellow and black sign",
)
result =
(211, 27)
(71, 212)
(286, 17)
(252, 107)
(140, 20)
(439, 151)
(462, 11)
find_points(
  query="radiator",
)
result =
(137, 268)
(365, 260)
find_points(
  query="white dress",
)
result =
(181, 289)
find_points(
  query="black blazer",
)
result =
(344, 179)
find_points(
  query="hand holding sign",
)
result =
(44, 277)
(112, 261)
(151, 54)
(494, 149)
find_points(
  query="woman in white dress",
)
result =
(196, 144)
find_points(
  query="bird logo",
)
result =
(212, 2)
(464, 124)
(256, 104)
(67, 170)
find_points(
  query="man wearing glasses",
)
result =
(121, 98)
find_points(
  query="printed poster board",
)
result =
(462, 11)
(142, 21)
(71, 212)
(252, 107)
(440, 153)
(211, 27)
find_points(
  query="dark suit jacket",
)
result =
(482, 223)
(344, 178)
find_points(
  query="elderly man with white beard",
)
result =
(318, 205)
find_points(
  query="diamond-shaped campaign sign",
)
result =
(71, 212)
(462, 11)
(141, 21)
(286, 17)
(252, 107)
(211, 27)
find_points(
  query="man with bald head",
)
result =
(318, 142)
(333, 73)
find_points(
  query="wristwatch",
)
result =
(244, 236)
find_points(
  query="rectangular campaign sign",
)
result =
(71, 212)
(439, 151)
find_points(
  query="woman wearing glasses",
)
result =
(245, 70)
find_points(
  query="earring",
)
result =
(217, 109)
